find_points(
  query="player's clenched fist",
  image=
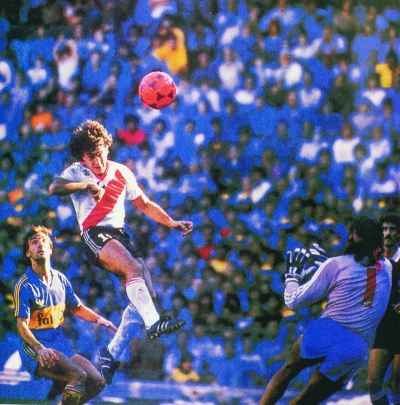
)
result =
(96, 190)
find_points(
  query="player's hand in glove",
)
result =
(294, 264)
(318, 254)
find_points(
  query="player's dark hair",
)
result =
(390, 217)
(369, 230)
(87, 137)
(33, 230)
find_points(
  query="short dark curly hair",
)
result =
(87, 136)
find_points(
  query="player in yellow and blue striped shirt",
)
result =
(42, 295)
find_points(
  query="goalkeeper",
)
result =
(356, 287)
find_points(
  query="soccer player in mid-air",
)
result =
(99, 188)
(386, 347)
(42, 295)
(356, 287)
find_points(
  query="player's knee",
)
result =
(98, 385)
(80, 376)
(137, 268)
(292, 369)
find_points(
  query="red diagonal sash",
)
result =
(113, 190)
(370, 288)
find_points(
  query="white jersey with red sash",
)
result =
(120, 185)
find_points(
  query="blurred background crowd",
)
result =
(285, 125)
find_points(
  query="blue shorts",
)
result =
(342, 351)
(30, 358)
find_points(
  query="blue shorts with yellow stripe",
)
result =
(29, 356)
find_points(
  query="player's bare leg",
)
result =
(118, 260)
(317, 390)
(378, 363)
(74, 376)
(279, 383)
(395, 380)
(94, 382)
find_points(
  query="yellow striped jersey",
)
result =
(44, 305)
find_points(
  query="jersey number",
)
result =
(370, 289)
(104, 236)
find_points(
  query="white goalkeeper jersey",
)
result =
(356, 296)
(120, 185)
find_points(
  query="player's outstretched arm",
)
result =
(157, 214)
(85, 313)
(62, 187)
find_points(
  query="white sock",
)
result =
(140, 297)
(128, 329)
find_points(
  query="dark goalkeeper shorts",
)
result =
(96, 237)
(388, 332)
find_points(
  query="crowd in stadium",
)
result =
(285, 125)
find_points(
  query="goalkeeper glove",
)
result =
(318, 254)
(294, 264)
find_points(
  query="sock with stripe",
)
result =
(379, 398)
(127, 330)
(84, 398)
(72, 394)
(396, 399)
(140, 298)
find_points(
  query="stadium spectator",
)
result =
(132, 134)
(366, 41)
(343, 148)
(262, 116)
(332, 42)
(39, 73)
(95, 72)
(230, 71)
(273, 40)
(312, 20)
(345, 22)
(363, 119)
(184, 372)
(205, 68)
(201, 37)
(172, 49)
(388, 69)
(67, 61)
(380, 184)
(373, 93)
(379, 147)
(392, 42)
(341, 96)
(228, 369)
(287, 15)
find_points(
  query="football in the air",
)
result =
(157, 90)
